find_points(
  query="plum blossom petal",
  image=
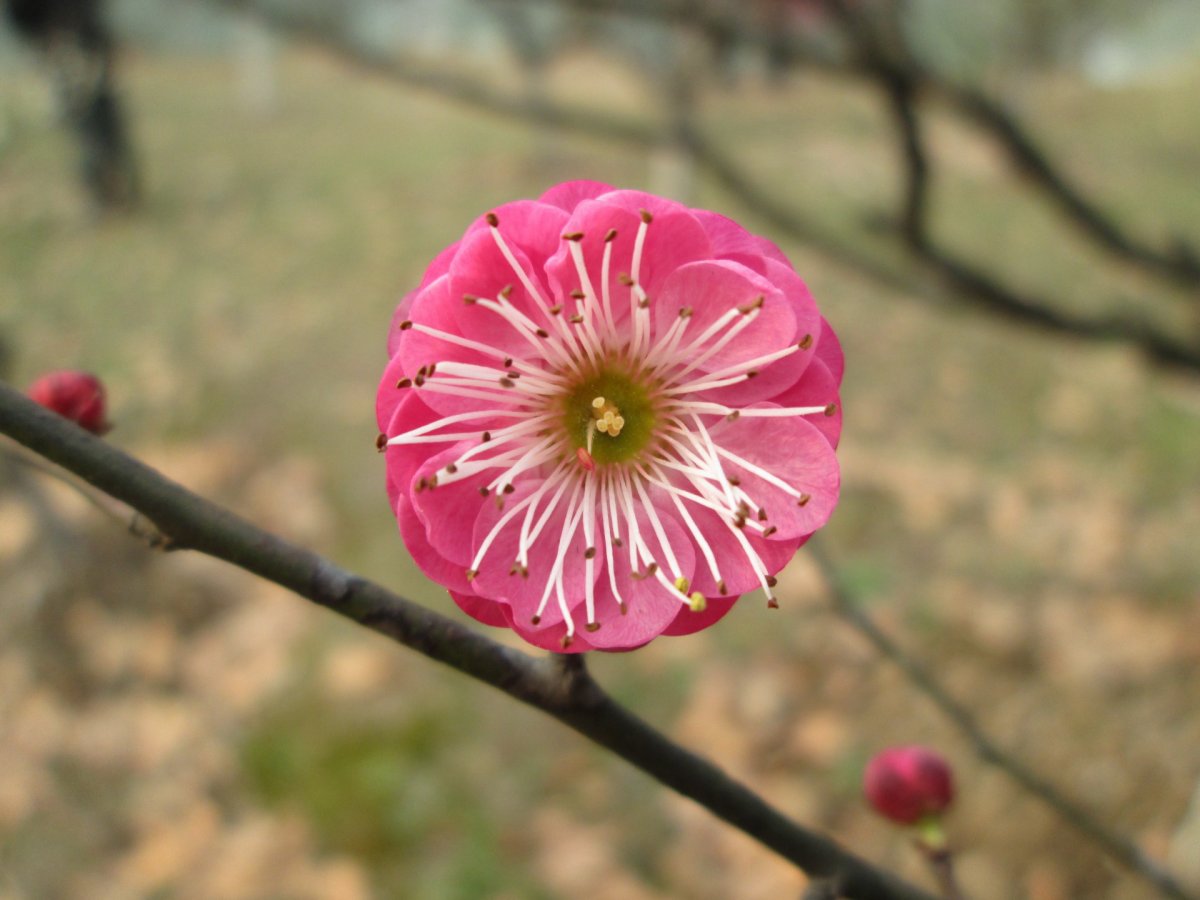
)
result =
(606, 416)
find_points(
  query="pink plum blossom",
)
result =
(607, 415)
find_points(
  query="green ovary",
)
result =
(622, 397)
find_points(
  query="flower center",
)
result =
(609, 415)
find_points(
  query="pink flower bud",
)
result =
(78, 396)
(906, 784)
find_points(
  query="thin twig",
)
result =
(561, 688)
(1115, 845)
(135, 523)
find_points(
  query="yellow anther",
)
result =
(697, 603)
(608, 419)
(682, 584)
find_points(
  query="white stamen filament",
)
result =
(768, 412)
(606, 306)
(738, 367)
(693, 359)
(589, 542)
(454, 420)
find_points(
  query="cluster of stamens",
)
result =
(604, 498)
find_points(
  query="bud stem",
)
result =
(941, 862)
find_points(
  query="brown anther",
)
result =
(512, 373)
(508, 489)
(555, 309)
(406, 324)
(470, 299)
(536, 620)
(804, 498)
(422, 483)
(624, 278)
(542, 333)
(733, 479)
(451, 468)
(753, 373)
(739, 521)
(589, 553)
(432, 368)
(772, 603)
(420, 379)
(381, 442)
(652, 568)
(578, 294)
(617, 542)
(806, 342)
(507, 383)
(685, 312)
(621, 607)
(404, 383)
(762, 514)
(492, 219)
(831, 409)
(508, 361)
(643, 302)
(573, 236)
(486, 436)
(754, 304)
(772, 581)
(483, 492)
(722, 588)
(566, 641)
(506, 291)
(769, 530)
(646, 217)
(734, 416)
(592, 627)
(432, 482)
(471, 573)
(610, 236)
(575, 319)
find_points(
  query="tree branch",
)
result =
(1179, 263)
(960, 279)
(559, 687)
(1115, 845)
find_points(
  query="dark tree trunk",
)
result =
(73, 39)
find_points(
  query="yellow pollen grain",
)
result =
(608, 418)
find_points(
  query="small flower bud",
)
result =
(907, 784)
(78, 396)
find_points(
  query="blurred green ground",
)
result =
(1020, 509)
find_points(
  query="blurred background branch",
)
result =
(859, 47)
